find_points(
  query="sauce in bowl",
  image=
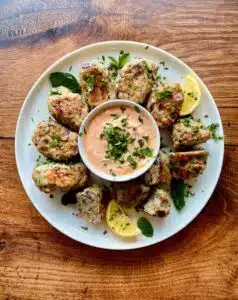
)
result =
(120, 139)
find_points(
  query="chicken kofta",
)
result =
(159, 172)
(187, 165)
(189, 132)
(136, 80)
(97, 84)
(158, 204)
(67, 108)
(51, 177)
(89, 204)
(55, 141)
(165, 103)
(130, 193)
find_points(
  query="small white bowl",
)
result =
(137, 172)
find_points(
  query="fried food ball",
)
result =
(55, 141)
(189, 132)
(51, 177)
(96, 83)
(165, 103)
(67, 108)
(158, 204)
(130, 193)
(159, 172)
(187, 165)
(136, 80)
(89, 204)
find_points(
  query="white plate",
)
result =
(63, 217)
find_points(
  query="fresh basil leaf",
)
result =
(123, 59)
(65, 79)
(145, 226)
(178, 193)
(114, 62)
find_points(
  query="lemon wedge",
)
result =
(119, 222)
(192, 95)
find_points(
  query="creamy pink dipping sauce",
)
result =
(130, 121)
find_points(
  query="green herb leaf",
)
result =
(165, 94)
(146, 47)
(146, 138)
(145, 226)
(213, 127)
(132, 162)
(178, 193)
(186, 121)
(55, 141)
(124, 122)
(117, 141)
(114, 62)
(81, 134)
(137, 109)
(123, 59)
(115, 116)
(84, 228)
(65, 79)
(140, 120)
(122, 108)
(90, 82)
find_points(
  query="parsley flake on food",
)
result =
(90, 82)
(163, 95)
(140, 120)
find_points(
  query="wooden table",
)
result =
(38, 262)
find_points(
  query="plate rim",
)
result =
(128, 246)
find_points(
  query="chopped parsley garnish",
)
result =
(162, 63)
(140, 120)
(84, 228)
(137, 109)
(55, 141)
(112, 173)
(122, 108)
(146, 138)
(132, 86)
(163, 95)
(158, 78)
(146, 47)
(33, 120)
(29, 144)
(70, 68)
(132, 162)
(115, 116)
(90, 82)
(205, 116)
(103, 57)
(124, 122)
(186, 121)
(117, 141)
(143, 152)
(81, 134)
(213, 127)
(166, 68)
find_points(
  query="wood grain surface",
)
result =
(38, 262)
